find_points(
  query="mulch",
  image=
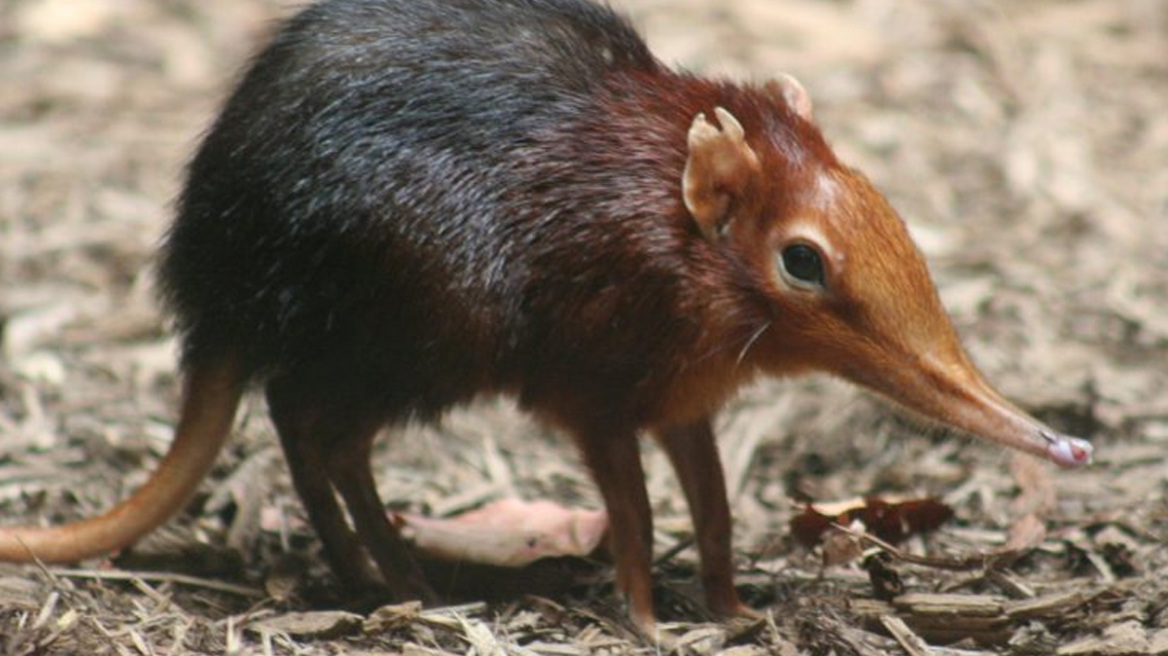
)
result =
(1026, 145)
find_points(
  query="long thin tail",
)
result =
(210, 398)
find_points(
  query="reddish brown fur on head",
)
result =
(849, 292)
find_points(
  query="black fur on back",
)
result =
(440, 198)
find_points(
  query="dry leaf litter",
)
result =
(1026, 143)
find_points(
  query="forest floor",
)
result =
(1025, 143)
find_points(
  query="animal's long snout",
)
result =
(957, 395)
(986, 414)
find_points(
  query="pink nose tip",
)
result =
(1068, 451)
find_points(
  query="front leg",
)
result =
(615, 462)
(694, 455)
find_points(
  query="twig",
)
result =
(672, 552)
(164, 577)
(977, 560)
(471, 608)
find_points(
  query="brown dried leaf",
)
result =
(892, 521)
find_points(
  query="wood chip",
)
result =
(390, 618)
(316, 624)
(1046, 606)
(1158, 641)
(17, 592)
(1117, 640)
(924, 603)
(911, 642)
(702, 640)
(556, 649)
(483, 641)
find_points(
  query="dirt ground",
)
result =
(1025, 142)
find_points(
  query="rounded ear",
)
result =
(721, 166)
(787, 89)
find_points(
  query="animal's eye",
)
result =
(802, 265)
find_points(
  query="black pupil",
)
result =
(803, 263)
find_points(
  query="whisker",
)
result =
(750, 342)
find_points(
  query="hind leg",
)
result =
(305, 449)
(350, 469)
(327, 444)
